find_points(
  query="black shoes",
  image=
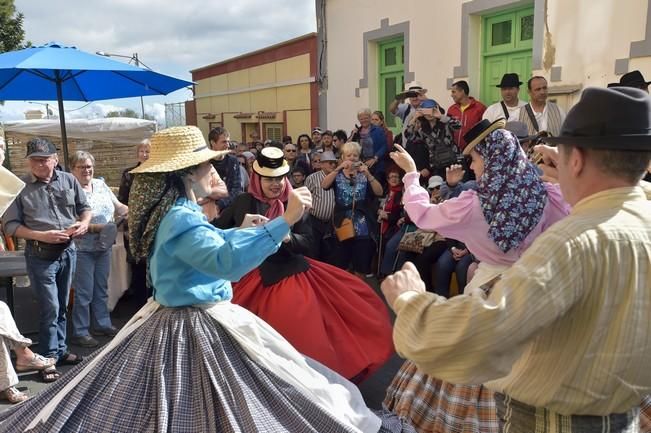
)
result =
(108, 332)
(84, 341)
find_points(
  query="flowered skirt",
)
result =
(327, 314)
(213, 368)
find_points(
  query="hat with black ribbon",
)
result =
(271, 162)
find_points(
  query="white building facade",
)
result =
(368, 49)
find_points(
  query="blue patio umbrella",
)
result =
(57, 72)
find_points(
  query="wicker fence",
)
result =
(111, 158)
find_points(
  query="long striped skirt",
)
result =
(214, 368)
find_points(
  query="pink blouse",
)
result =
(461, 218)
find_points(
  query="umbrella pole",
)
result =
(62, 122)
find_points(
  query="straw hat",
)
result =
(478, 132)
(176, 148)
(271, 162)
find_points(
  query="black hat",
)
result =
(510, 80)
(617, 118)
(478, 132)
(633, 79)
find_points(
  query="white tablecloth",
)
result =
(120, 273)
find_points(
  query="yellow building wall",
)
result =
(295, 97)
(263, 74)
(264, 88)
(298, 122)
(293, 68)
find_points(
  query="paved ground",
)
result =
(26, 311)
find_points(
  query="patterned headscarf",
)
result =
(151, 197)
(276, 206)
(511, 194)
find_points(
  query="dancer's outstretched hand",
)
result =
(300, 199)
(253, 220)
(549, 157)
(405, 280)
(454, 174)
(403, 159)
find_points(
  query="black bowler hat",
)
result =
(510, 80)
(477, 133)
(633, 79)
(618, 118)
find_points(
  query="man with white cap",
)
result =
(323, 205)
(416, 94)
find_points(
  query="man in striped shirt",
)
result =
(323, 205)
(563, 338)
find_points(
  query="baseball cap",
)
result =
(39, 147)
(434, 181)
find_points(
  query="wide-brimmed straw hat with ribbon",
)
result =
(176, 148)
(478, 132)
(271, 162)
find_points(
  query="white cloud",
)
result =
(170, 36)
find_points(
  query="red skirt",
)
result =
(326, 314)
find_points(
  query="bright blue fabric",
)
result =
(193, 262)
(30, 74)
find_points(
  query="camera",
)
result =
(357, 164)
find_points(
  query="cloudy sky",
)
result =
(170, 36)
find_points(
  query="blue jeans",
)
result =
(445, 266)
(51, 281)
(91, 291)
(393, 259)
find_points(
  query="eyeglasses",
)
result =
(290, 150)
(84, 167)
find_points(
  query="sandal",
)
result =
(70, 358)
(13, 396)
(49, 374)
(37, 362)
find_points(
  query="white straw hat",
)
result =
(270, 162)
(176, 148)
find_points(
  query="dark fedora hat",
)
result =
(477, 133)
(633, 79)
(510, 80)
(617, 118)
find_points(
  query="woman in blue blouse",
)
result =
(189, 360)
(353, 183)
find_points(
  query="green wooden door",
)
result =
(391, 78)
(507, 39)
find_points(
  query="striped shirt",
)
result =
(566, 328)
(323, 200)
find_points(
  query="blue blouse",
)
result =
(344, 197)
(193, 262)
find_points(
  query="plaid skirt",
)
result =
(645, 415)
(180, 370)
(435, 406)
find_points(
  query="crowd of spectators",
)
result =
(352, 180)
